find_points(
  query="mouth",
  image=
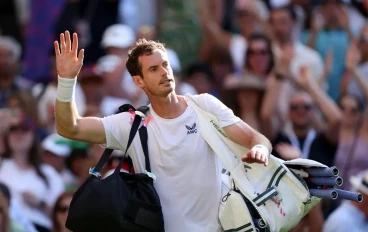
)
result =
(166, 81)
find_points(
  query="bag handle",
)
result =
(105, 156)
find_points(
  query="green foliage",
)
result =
(180, 29)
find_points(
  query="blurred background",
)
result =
(295, 70)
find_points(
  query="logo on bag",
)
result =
(191, 130)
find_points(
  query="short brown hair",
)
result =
(142, 47)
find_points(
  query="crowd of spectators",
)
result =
(295, 70)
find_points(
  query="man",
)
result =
(188, 178)
(10, 53)
(351, 216)
(56, 150)
(331, 30)
(283, 21)
(302, 140)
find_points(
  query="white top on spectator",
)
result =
(187, 169)
(20, 181)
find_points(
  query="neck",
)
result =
(168, 107)
(301, 131)
(20, 159)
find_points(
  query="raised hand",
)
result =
(68, 60)
(287, 151)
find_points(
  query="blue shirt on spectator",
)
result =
(346, 218)
(338, 40)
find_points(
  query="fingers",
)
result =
(68, 41)
(254, 156)
(56, 47)
(62, 43)
(75, 44)
(81, 55)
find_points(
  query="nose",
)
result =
(164, 71)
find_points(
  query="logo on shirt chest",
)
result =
(191, 130)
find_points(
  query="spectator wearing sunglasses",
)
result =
(302, 140)
(60, 212)
(351, 157)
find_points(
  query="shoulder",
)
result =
(308, 52)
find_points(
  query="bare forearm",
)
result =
(246, 136)
(258, 138)
(326, 104)
(66, 117)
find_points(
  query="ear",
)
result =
(138, 80)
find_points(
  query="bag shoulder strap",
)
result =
(136, 123)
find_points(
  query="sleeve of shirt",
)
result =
(117, 128)
(214, 106)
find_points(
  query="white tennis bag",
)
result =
(273, 194)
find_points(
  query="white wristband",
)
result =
(262, 148)
(65, 89)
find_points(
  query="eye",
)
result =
(153, 69)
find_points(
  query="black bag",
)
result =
(123, 202)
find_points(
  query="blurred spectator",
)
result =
(301, 140)
(10, 52)
(4, 215)
(201, 77)
(250, 17)
(56, 150)
(221, 64)
(330, 30)
(33, 184)
(351, 157)
(92, 84)
(251, 83)
(349, 85)
(60, 212)
(45, 93)
(18, 222)
(247, 93)
(116, 41)
(80, 161)
(283, 21)
(260, 60)
(351, 216)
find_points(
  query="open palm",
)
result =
(68, 60)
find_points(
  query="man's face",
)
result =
(331, 11)
(301, 110)
(158, 79)
(7, 61)
(282, 23)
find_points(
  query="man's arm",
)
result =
(243, 134)
(328, 107)
(68, 123)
